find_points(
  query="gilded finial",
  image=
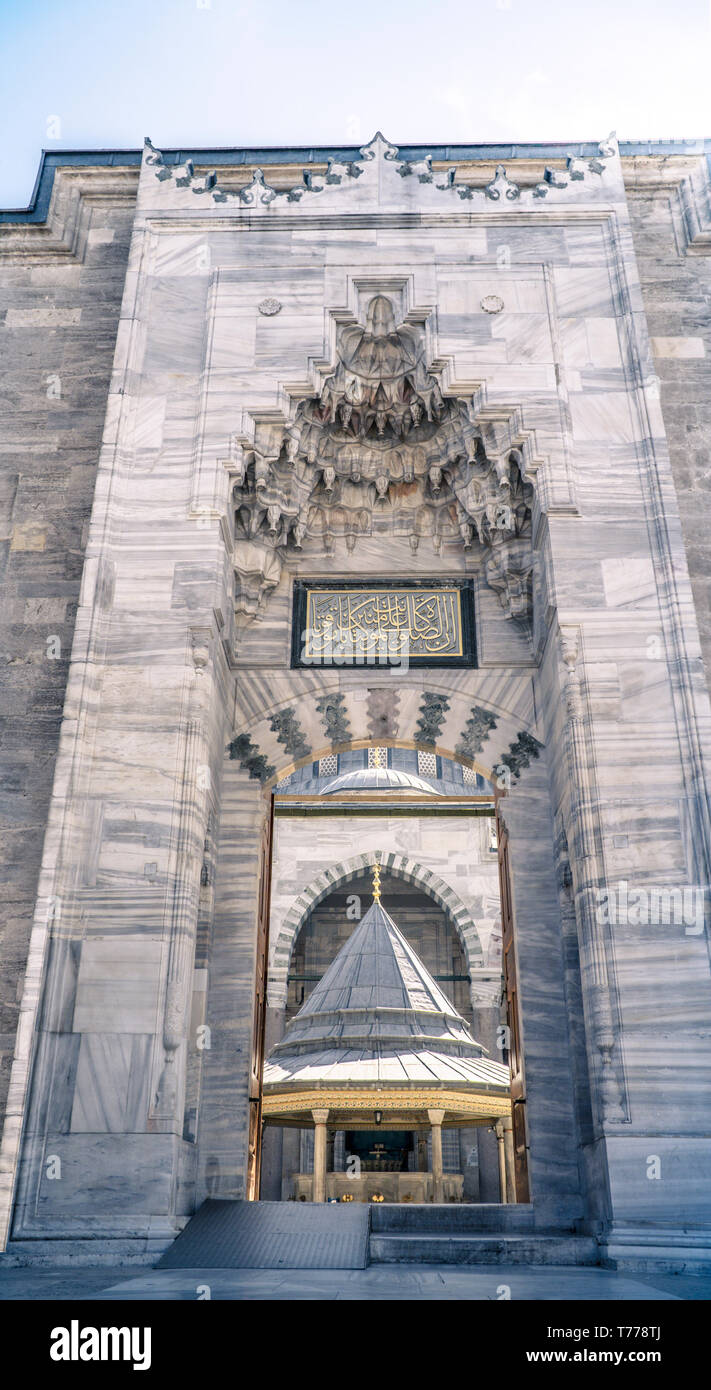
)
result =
(376, 882)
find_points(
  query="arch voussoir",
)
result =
(482, 721)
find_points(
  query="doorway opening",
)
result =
(432, 835)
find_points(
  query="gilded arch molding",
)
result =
(401, 866)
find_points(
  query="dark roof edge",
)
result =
(38, 207)
(50, 160)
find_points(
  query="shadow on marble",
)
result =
(399, 1283)
(392, 1283)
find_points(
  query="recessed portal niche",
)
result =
(470, 1156)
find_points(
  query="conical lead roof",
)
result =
(377, 1014)
(377, 969)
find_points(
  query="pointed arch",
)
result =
(400, 866)
(481, 719)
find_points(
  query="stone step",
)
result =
(107, 1252)
(452, 1217)
(486, 1249)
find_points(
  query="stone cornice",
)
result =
(54, 227)
(295, 157)
(685, 182)
(379, 177)
(77, 194)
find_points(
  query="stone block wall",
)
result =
(61, 284)
(673, 249)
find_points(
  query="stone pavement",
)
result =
(394, 1283)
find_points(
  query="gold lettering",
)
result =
(428, 620)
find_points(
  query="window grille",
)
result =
(427, 764)
(306, 1151)
(328, 767)
(451, 1162)
(382, 757)
(339, 1151)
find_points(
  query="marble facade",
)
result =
(521, 292)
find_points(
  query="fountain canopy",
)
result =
(378, 1034)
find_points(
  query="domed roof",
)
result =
(378, 779)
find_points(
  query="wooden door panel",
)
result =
(260, 1010)
(518, 1086)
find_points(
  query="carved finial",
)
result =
(570, 645)
(501, 186)
(555, 178)
(150, 154)
(258, 191)
(200, 648)
(378, 148)
(308, 177)
(376, 882)
(577, 168)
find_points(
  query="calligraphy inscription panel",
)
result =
(398, 623)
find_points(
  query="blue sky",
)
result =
(101, 74)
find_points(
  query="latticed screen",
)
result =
(377, 757)
(328, 767)
(469, 776)
(306, 1151)
(451, 1159)
(427, 764)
